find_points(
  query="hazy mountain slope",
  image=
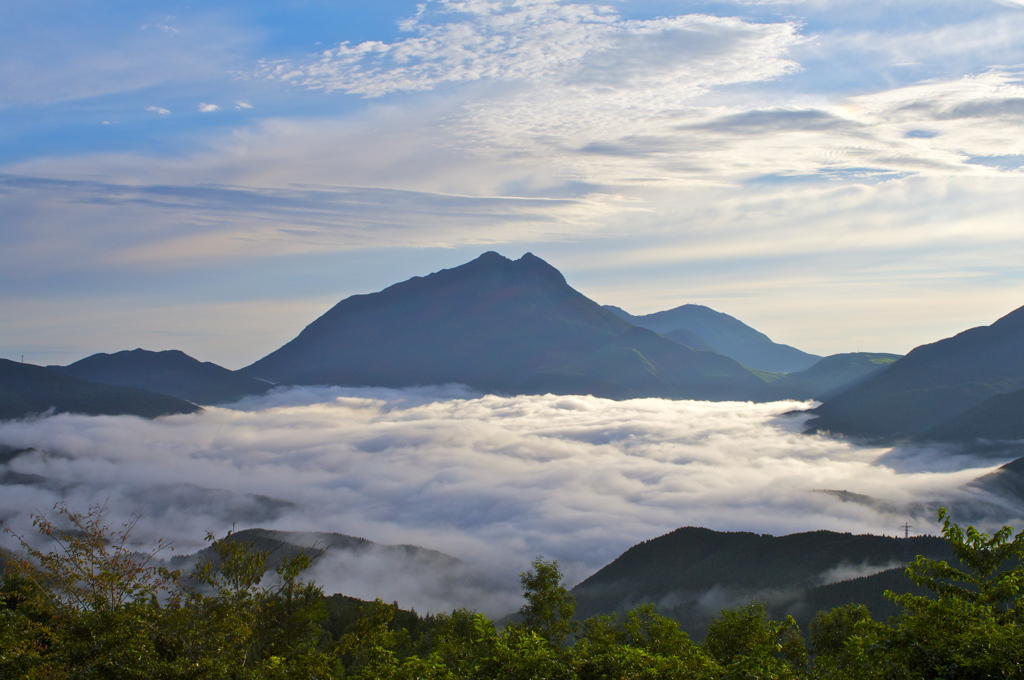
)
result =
(26, 389)
(692, 573)
(169, 372)
(1007, 482)
(931, 384)
(998, 418)
(688, 339)
(727, 335)
(641, 363)
(497, 325)
(411, 575)
(829, 376)
(283, 545)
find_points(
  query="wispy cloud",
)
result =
(548, 41)
(163, 25)
(797, 147)
(208, 108)
(218, 222)
(158, 109)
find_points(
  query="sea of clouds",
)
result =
(494, 481)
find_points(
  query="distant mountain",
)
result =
(169, 372)
(830, 376)
(723, 334)
(1000, 418)
(932, 384)
(26, 389)
(1007, 483)
(283, 545)
(688, 339)
(641, 363)
(692, 573)
(411, 575)
(500, 326)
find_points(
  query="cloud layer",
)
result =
(492, 480)
(578, 46)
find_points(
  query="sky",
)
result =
(494, 481)
(212, 176)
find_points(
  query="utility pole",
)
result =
(906, 542)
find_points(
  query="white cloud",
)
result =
(208, 108)
(163, 25)
(158, 109)
(243, 105)
(489, 479)
(547, 41)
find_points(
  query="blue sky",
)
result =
(212, 176)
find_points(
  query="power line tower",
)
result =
(906, 542)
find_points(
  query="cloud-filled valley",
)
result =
(494, 481)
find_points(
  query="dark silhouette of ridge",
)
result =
(27, 389)
(169, 372)
(724, 334)
(933, 384)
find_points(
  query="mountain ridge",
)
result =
(170, 372)
(500, 325)
(724, 334)
(27, 390)
(933, 383)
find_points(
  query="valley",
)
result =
(492, 413)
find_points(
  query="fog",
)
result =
(494, 481)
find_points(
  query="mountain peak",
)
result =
(491, 257)
(533, 264)
(511, 326)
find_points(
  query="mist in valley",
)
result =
(493, 481)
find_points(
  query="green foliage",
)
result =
(90, 567)
(848, 643)
(461, 639)
(549, 606)
(639, 644)
(92, 609)
(749, 645)
(968, 627)
(972, 626)
(994, 574)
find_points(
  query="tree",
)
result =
(91, 607)
(549, 606)
(638, 645)
(231, 620)
(993, 575)
(91, 566)
(973, 625)
(749, 645)
(89, 598)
